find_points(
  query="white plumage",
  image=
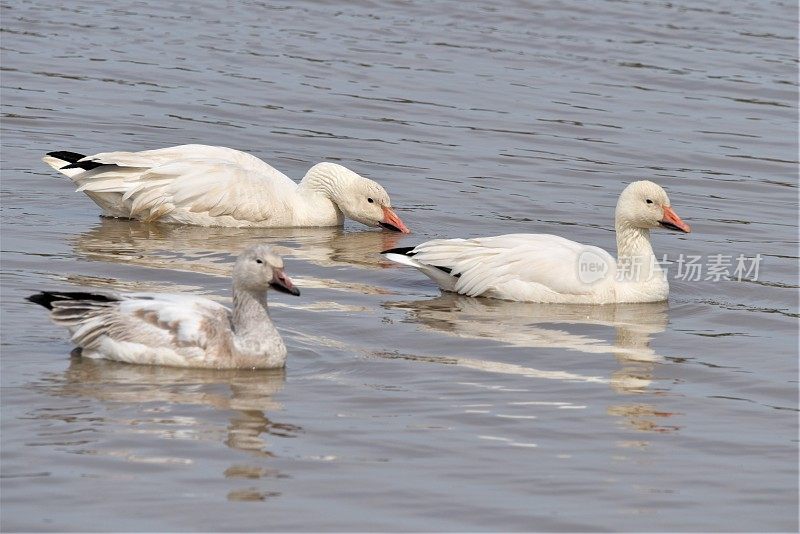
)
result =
(552, 269)
(218, 186)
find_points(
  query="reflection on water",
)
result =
(202, 249)
(247, 393)
(212, 251)
(643, 417)
(524, 324)
(553, 326)
(247, 396)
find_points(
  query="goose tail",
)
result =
(65, 162)
(441, 275)
(401, 255)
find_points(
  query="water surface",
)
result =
(401, 408)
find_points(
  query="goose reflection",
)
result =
(562, 326)
(158, 396)
(247, 394)
(543, 325)
(209, 250)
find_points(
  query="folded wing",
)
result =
(142, 327)
(192, 179)
(513, 266)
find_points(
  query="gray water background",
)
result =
(401, 409)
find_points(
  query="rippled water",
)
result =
(400, 408)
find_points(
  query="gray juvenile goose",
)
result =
(181, 330)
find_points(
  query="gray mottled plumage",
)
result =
(181, 330)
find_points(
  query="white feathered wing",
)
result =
(522, 267)
(195, 184)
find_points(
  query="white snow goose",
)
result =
(181, 330)
(548, 268)
(218, 186)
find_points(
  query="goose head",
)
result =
(258, 269)
(359, 198)
(645, 205)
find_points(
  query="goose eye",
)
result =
(370, 200)
(259, 261)
(649, 201)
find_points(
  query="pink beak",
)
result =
(673, 222)
(392, 222)
(283, 283)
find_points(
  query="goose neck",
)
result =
(633, 242)
(318, 181)
(635, 259)
(250, 313)
(319, 199)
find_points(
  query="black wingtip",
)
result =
(47, 298)
(44, 298)
(405, 251)
(73, 160)
(85, 165)
(64, 155)
(447, 270)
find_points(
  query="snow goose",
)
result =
(218, 186)
(551, 269)
(181, 330)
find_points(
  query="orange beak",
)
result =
(673, 222)
(392, 222)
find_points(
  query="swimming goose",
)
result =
(181, 330)
(218, 186)
(548, 268)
